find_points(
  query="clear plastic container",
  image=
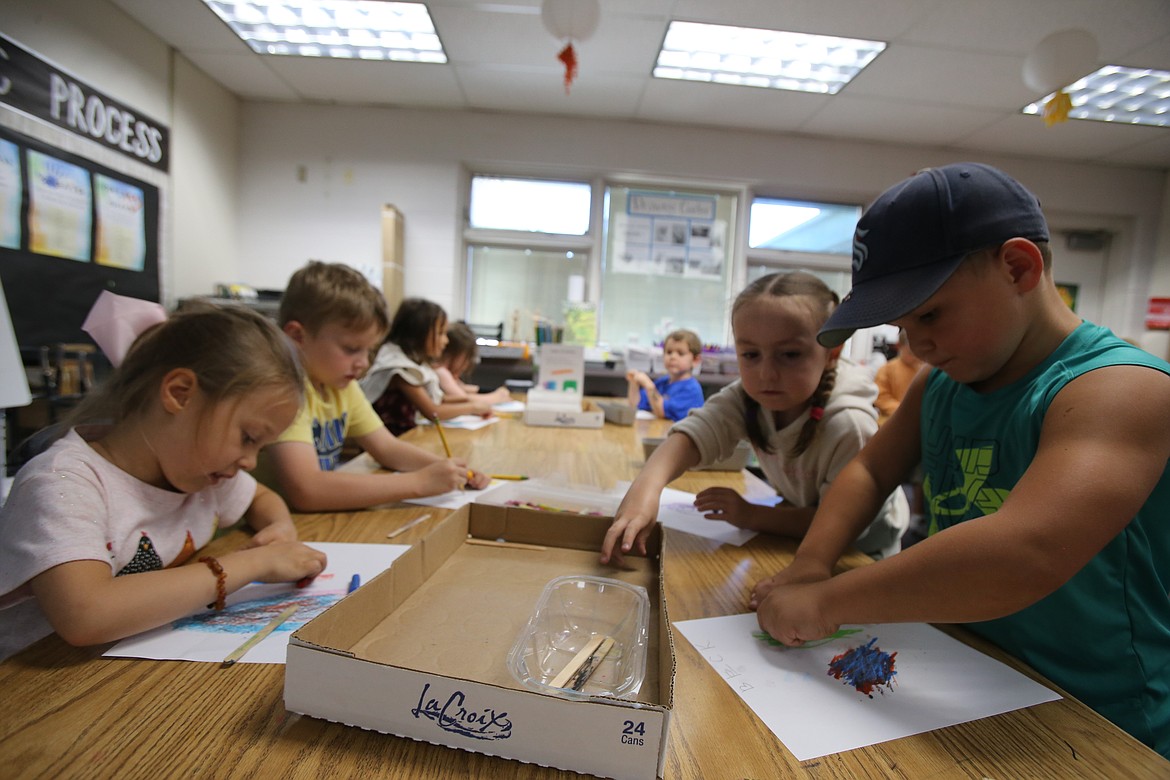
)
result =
(572, 611)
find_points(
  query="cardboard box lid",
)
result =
(450, 608)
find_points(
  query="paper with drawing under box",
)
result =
(211, 636)
(872, 684)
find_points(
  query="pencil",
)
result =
(271, 626)
(443, 436)
(509, 476)
(446, 446)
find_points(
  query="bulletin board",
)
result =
(70, 228)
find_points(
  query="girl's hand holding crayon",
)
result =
(283, 562)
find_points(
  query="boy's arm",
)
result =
(634, 388)
(1093, 470)
(309, 489)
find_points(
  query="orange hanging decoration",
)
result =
(1057, 108)
(568, 56)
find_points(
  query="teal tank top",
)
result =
(1104, 636)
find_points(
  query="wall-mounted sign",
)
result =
(1158, 314)
(42, 90)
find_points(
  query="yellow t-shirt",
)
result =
(325, 420)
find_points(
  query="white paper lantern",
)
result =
(1060, 59)
(570, 20)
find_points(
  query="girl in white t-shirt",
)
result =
(805, 410)
(178, 424)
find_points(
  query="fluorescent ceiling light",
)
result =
(1136, 96)
(762, 58)
(345, 29)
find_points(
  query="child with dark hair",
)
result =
(402, 382)
(458, 358)
(805, 410)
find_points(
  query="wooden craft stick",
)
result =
(271, 626)
(590, 666)
(512, 545)
(577, 671)
(408, 526)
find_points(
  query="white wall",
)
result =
(358, 158)
(242, 213)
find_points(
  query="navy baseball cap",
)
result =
(913, 237)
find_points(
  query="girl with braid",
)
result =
(805, 410)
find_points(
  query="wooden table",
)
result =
(71, 713)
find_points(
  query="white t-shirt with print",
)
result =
(71, 504)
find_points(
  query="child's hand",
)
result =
(441, 477)
(499, 396)
(639, 378)
(481, 405)
(799, 571)
(792, 614)
(720, 503)
(289, 562)
(278, 531)
(478, 480)
(631, 526)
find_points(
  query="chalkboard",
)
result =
(70, 228)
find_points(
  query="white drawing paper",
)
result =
(937, 681)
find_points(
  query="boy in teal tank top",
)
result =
(1044, 444)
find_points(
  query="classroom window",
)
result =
(528, 250)
(802, 226)
(790, 235)
(667, 264)
(521, 286)
(530, 205)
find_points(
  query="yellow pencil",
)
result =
(271, 626)
(446, 446)
(509, 476)
(443, 436)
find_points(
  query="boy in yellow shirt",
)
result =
(335, 317)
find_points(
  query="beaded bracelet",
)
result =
(220, 582)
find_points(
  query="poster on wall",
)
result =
(60, 205)
(70, 228)
(121, 224)
(11, 188)
(663, 234)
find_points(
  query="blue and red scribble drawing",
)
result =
(865, 667)
(248, 617)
